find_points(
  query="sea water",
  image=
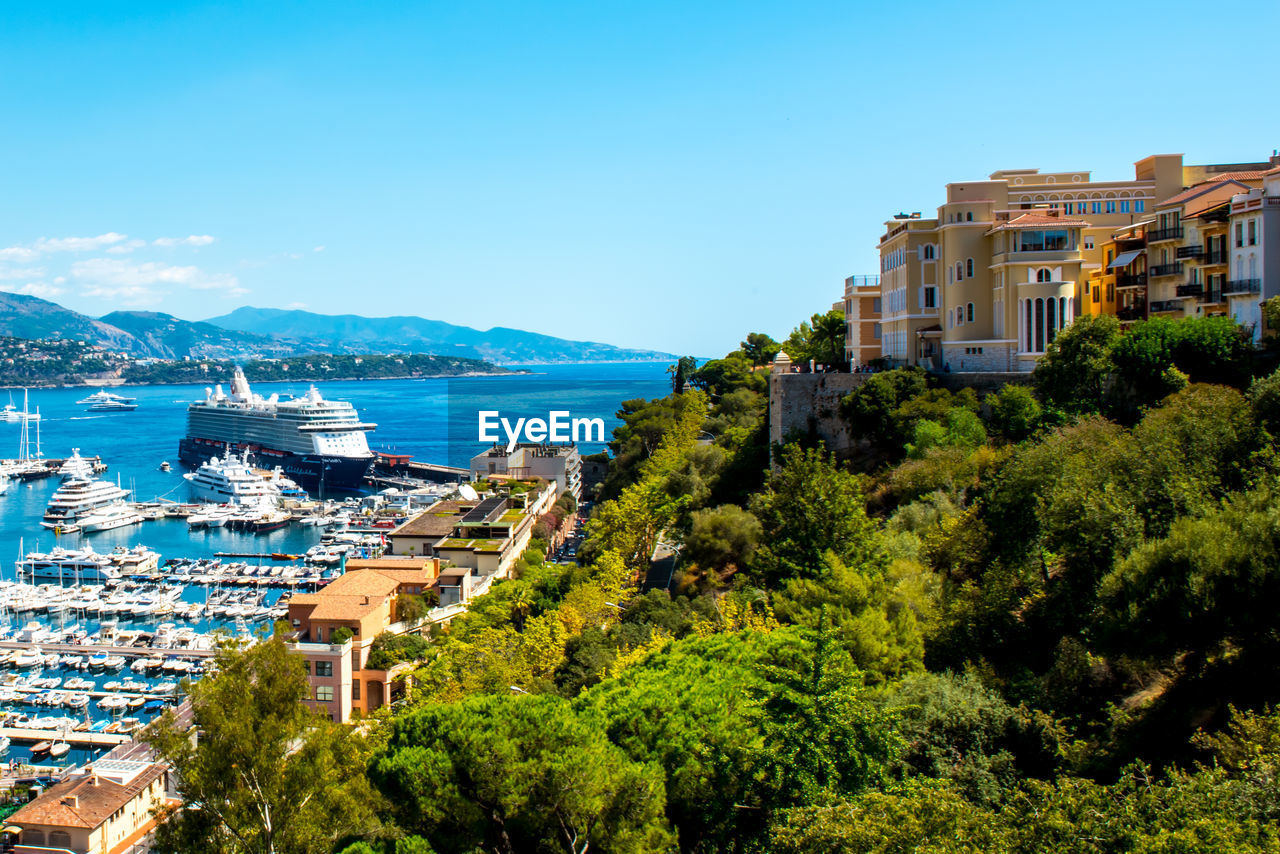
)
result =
(431, 419)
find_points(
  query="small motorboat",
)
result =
(164, 466)
(40, 748)
(58, 749)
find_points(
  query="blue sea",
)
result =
(434, 420)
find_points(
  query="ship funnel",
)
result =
(240, 385)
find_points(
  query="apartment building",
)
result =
(1009, 262)
(109, 807)
(559, 463)
(862, 319)
(1253, 243)
(335, 627)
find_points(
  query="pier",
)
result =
(78, 739)
(94, 649)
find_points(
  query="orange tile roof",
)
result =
(359, 592)
(1242, 175)
(84, 801)
(1199, 190)
(1039, 220)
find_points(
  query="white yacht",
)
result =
(78, 498)
(76, 467)
(231, 480)
(104, 401)
(85, 566)
(109, 518)
(13, 414)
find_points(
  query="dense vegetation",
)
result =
(318, 367)
(1035, 621)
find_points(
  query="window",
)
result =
(1139, 205)
(59, 839)
(968, 268)
(875, 305)
(1097, 294)
(959, 315)
(959, 272)
(969, 216)
(928, 253)
(355, 689)
(324, 694)
(1043, 275)
(1111, 206)
(1042, 241)
(930, 297)
(1239, 234)
(875, 331)
(324, 668)
(306, 665)
(969, 310)
(1124, 206)
(33, 837)
(1253, 232)
(1111, 291)
(1095, 207)
(1088, 241)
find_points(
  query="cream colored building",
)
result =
(988, 283)
(108, 808)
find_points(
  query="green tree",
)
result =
(808, 508)
(759, 348)
(1075, 372)
(872, 408)
(265, 774)
(722, 538)
(681, 372)
(1015, 412)
(517, 773)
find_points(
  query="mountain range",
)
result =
(266, 332)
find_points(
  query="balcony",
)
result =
(1174, 269)
(1216, 256)
(1131, 280)
(1190, 290)
(1210, 297)
(1188, 252)
(1166, 305)
(1243, 286)
(1157, 234)
(1132, 312)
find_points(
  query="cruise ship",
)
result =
(78, 498)
(231, 480)
(317, 442)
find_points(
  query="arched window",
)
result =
(959, 315)
(1039, 348)
(928, 252)
(1051, 319)
(959, 271)
(1027, 325)
(33, 837)
(1062, 311)
(1043, 275)
(968, 268)
(969, 310)
(1253, 266)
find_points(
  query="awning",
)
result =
(1124, 259)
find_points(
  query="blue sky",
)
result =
(657, 174)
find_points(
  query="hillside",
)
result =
(166, 337)
(405, 334)
(30, 317)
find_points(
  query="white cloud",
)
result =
(318, 249)
(190, 240)
(137, 295)
(36, 289)
(18, 253)
(77, 244)
(296, 305)
(127, 247)
(21, 273)
(104, 274)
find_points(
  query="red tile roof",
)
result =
(1040, 220)
(84, 801)
(1199, 190)
(1243, 175)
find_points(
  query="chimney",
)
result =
(72, 801)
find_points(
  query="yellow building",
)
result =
(1010, 261)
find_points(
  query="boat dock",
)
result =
(78, 739)
(94, 649)
(38, 469)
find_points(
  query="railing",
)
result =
(1155, 234)
(1190, 290)
(1188, 252)
(1166, 305)
(1243, 286)
(1216, 256)
(1211, 296)
(1133, 312)
(1173, 269)
(1131, 280)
